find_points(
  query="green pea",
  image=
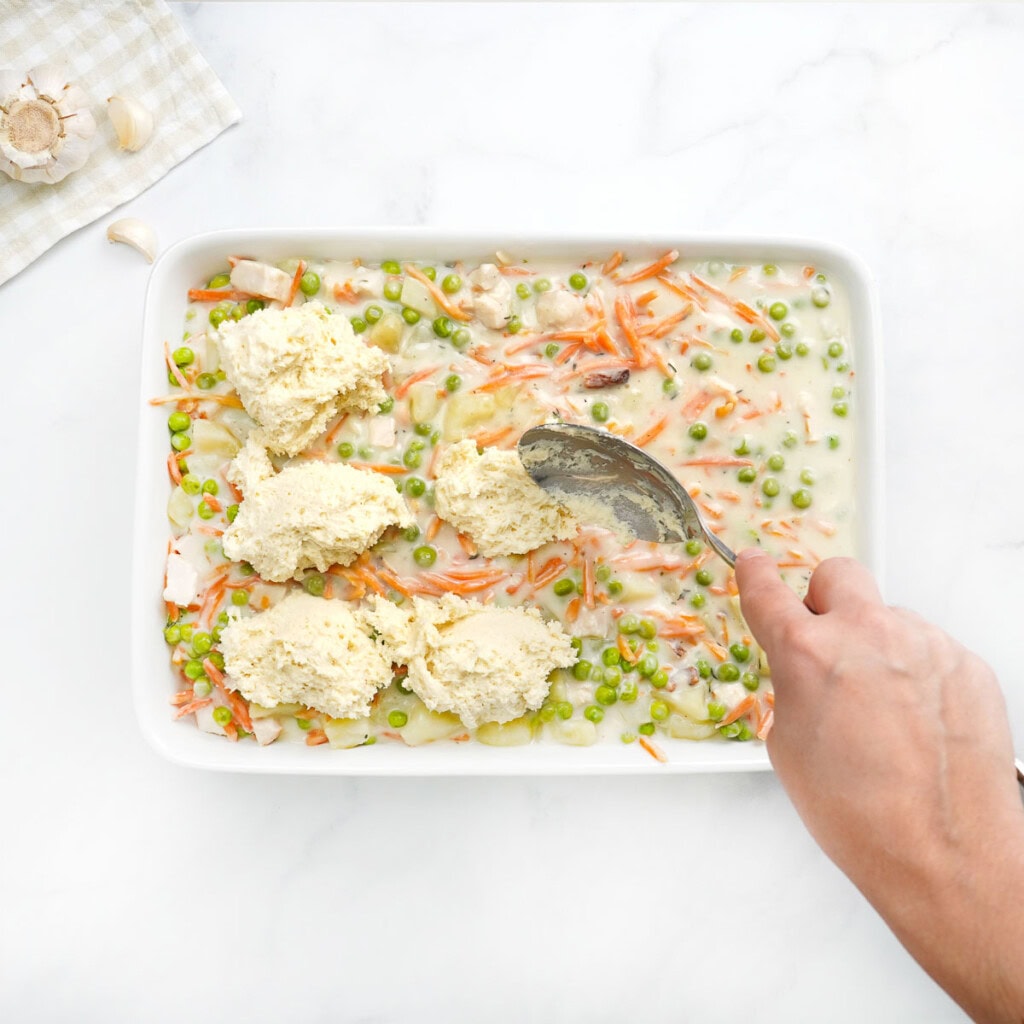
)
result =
(736, 335)
(411, 533)
(610, 656)
(769, 270)
(240, 597)
(386, 406)
(193, 669)
(600, 411)
(660, 679)
(581, 670)
(784, 351)
(246, 569)
(563, 709)
(523, 290)
(645, 728)
(219, 281)
(668, 385)
(703, 669)
(801, 498)
(704, 577)
(546, 713)
(603, 573)
(172, 634)
(727, 672)
(606, 695)
(741, 652)
(237, 312)
(551, 350)
(186, 632)
(820, 297)
(183, 356)
(358, 324)
(564, 587)
(698, 431)
(693, 547)
(802, 349)
(202, 688)
(778, 310)
(179, 421)
(743, 448)
(807, 476)
(833, 441)
(217, 317)
(770, 487)
(461, 338)
(629, 624)
(716, 710)
(648, 629)
(443, 327)
(658, 710)
(314, 584)
(701, 362)
(451, 283)
(593, 713)
(222, 715)
(410, 316)
(254, 306)
(747, 475)
(201, 643)
(397, 718)
(430, 273)
(412, 459)
(415, 487)
(757, 335)
(614, 588)
(542, 284)
(835, 349)
(751, 680)
(425, 556)
(393, 289)
(206, 381)
(372, 314)
(231, 512)
(391, 267)
(346, 449)
(629, 692)
(790, 439)
(788, 329)
(578, 281)
(647, 666)
(766, 363)
(840, 409)
(698, 600)
(730, 731)
(776, 462)
(179, 442)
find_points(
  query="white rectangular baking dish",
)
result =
(193, 260)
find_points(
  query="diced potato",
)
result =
(209, 438)
(258, 711)
(291, 732)
(576, 732)
(463, 414)
(427, 726)
(762, 663)
(180, 509)
(238, 421)
(637, 587)
(683, 728)
(423, 402)
(386, 333)
(417, 296)
(691, 701)
(559, 691)
(506, 734)
(347, 732)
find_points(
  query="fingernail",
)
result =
(748, 553)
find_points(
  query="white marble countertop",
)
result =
(133, 889)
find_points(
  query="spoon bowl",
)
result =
(610, 482)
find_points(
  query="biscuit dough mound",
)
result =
(483, 663)
(306, 650)
(296, 369)
(492, 499)
(310, 515)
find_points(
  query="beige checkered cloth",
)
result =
(110, 47)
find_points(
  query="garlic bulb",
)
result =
(132, 122)
(45, 125)
(136, 233)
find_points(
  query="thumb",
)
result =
(768, 605)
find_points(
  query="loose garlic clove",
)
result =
(136, 233)
(132, 122)
(45, 125)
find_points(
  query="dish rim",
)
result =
(184, 260)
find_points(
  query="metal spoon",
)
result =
(613, 476)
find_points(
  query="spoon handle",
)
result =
(1020, 771)
(721, 549)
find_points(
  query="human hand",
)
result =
(892, 741)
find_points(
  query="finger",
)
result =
(768, 605)
(841, 583)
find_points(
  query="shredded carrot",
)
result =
(514, 376)
(680, 288)
(414, 378)
(766, 724)
(808, 273)
(513, 271)
(588, 581)
(467, 545)
(173, 367)
(613, 263)
(568, 352)
(696, 405)
(659, 328)
(652, 269)
(172, 611)
(216, 295)
(625, 313)
(626, 651)
(315, 737)
(299, 271)
(192, 706)
(737, 273)
(173, 469)
(345, 293)
(740, 710)
(492, 438)
(433, 528)
(720, 652)
(523, 344)
(572, 611)
(547, 572)
(651, 432)
(436, 294)
(654, 750)
(647, 298)
(333, 432)
(741, 309)
(718, 460)
(379, 467)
